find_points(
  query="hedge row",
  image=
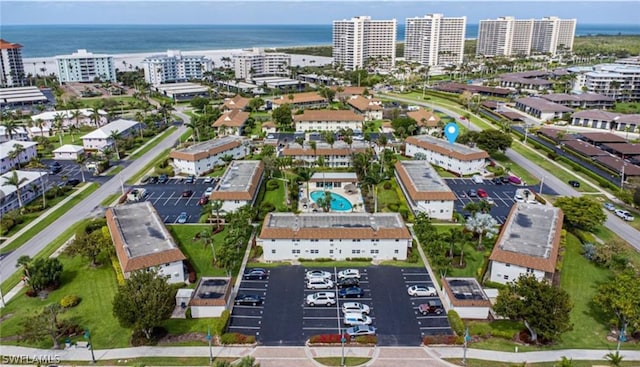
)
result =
(456, 322)
(237, 338)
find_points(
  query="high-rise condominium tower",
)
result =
(507, 36)
(434, 39)
(11, 66)
(360, 41)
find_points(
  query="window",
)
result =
(315, 251)
(529, 271)
(396, 251)
(331, 252)
(375, 251)
(295, 251)
(506, 277)
(507, 265)
(273, 251)
(355, 252)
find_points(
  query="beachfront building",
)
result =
(504, 36)
(541, 108)
(528, 243)
(457, 158)
(11, 66)
(360, 41)
(68, 152)
(103, 137)
(81, 116)
(201, 158)
(300, 100)
(239, 185)
(85, 67)
(434, 40)
(328, 120)
(174, 67)
(257, 63)
(30, 189)
(143, 242)
(369, 107)
(425, 191)
(8, 150)
(618, 81)
(338, 155)
(289, 236)
(231, 122)
(552, 35)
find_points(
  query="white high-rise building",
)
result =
(360, 41)
(259, 63)
(174, 67)
(11, 66)
(552, 34)
(507, 36)
(435, 39)
(85, 67)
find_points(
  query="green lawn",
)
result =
(576, 363)
(200, 255)
(148, 166)
(515, 169)
(276, 197)
(91, 102)
(150, 145)
(336, 361)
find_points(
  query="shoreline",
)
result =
(135, 59)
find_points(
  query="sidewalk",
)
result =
(304, 356)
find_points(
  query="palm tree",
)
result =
(614, 359)
(95, 115)
(81, 161)
(15, 181)
(11, 127)
(40, 124)
(194, 126)
(216, 205)
(565, 362)
(207, 239)
(15, 154)
(76, 114)
(373, 179)
(481, 223)
(114, 136)
(58, 125)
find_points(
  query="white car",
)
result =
(319, 283)
(355, 307)
(490, 201)
(208, 180)
(349, 273)
(317, 274)
(321, 299)
(624, 215)
(421, 291)
(208, 191)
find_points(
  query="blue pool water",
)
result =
(338, 202)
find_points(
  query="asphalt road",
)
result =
(613, 223)
(89, 207)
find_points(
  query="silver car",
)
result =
(355, 307)
(361, 330)
(319, 283)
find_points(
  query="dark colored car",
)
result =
(505, 179)
(163, 179)
(249, 300)
(153, 179)
(430, 307)
(348, 282)
(497, 181)
(255, 273)
(55, 168)
(472, 193)
(203, 200)
(351, 292)
(190, 179)
(72, 182)
(187, 193)
(574, 183)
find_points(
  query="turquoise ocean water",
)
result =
(50, 40)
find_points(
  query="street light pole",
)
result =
(209, 337)
(342, 341)
(87, 335)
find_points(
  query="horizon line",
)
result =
(239, 24)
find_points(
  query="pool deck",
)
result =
(354, 198)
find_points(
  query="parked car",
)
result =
(348, 282)
(421, 291)
(351, 292)
(182, 218)
(321, 299)
(153, 179)
(430, 307)
(609, 206)
(72, 182)
(349, 273)
(624, 215)
(497, 181)
(208, 180)
(53, 169)
(356, 318)
(355, 307)
(203, 200)
(361, 330)
(191, 179)
(472, 193)
(490, 201)
(482, 193)
(249, 300)
(505, 179)
(574, 183)
(514, 180)
(317, 274)
(477, 179)
(254, 273)
(187, 193)
(319, 283)
(163, 179)
(208, 191)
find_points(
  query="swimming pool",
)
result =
(338, 202)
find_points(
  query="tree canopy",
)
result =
(620, 297)
(47, 324)
(493, 141)
(41, 273)
(144, 301)
(282, 116)
(581, 212)
(543, 308)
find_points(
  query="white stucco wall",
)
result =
(504, 273)
(446, 162)
(338, 249)
(198, 312)
(201, 166)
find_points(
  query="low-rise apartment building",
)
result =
(606, 120)
(301, 100)
(30, 189)
(7, 159)
(231, 122)
(528, 243)
(328, 120)
(584, 100)
(427, 121)
(541, 108)
(239, 185)
(457, 158)
(370, 108)
(425, 191)
(338, 155)
(203, 157)
(103, 137)
(289, 236)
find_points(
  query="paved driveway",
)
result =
(168, 200)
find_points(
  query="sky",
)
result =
(34, 12)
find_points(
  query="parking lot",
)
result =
(502, 195)
(168, 201)
(71, 170)
(284, 319)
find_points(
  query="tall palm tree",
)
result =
(115, 136)
(81, 161)
(373, 179)
(216, 205)
(14, 155)
(95, 115)
(40, 124)
(10, 126)
(58, 125)
(76, 114)
(15, 181)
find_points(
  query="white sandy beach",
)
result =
(136, 59)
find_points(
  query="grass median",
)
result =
(148, 166)
(151, 144)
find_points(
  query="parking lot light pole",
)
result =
(87, 335)
(209, 337)
(343, 340)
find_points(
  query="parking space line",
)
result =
(417, 274)
(319, 318)
(435, 327)
(430, 317)
(169, 198)
(244, 327)
(246, 317)
(253, 289)
(319, 328)
(159, 197)
(177, 200)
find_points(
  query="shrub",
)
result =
(221, 323)
(456, 322)
(366, 339)
(116, 266)
(272, 185)
(187, 313)
(327, 339)
(69, 301)
(363, 259)
(387, 185)
(393, 207)
(482, 329)
(583, 236)
(237, 338)
(404, 212)
(442, 339)
(267, 207)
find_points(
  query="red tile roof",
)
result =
(234, 118)
(4, 45)
(328, 115)
(424, 118)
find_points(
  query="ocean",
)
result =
(51, 40)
